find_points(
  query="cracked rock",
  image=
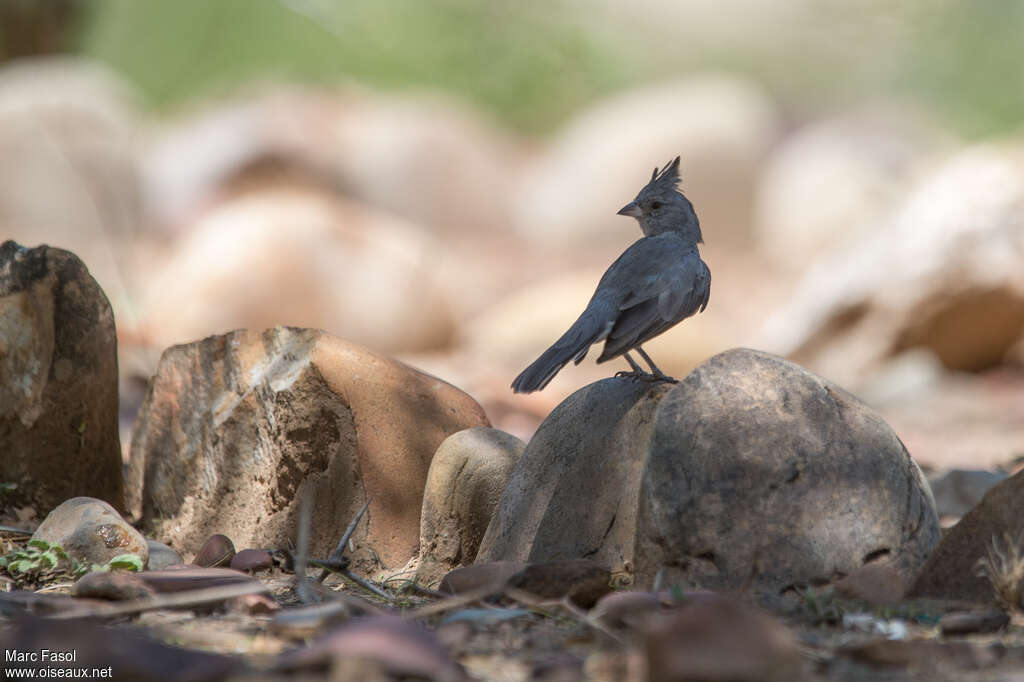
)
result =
(237, 428)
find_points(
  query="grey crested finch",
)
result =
(656, 283)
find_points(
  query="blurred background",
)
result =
(439, 180)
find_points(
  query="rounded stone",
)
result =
(91, 531)
(465, 480)
(760, 471)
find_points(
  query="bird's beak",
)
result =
(632, 209)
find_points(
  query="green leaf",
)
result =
(129, 562)
(20, 566)
(41, 544)
(49, 557)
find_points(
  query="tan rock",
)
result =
(467, 476)
(429, 160)
(721, 125)
(237, 428)
(91, 531)
(941, 274)
(857, 167)
(69, 176)
(301, 258)
(58, 381)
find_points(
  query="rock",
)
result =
(761, 474)
(479, 576)
(876, 583)
(161, 556)
(721, 125)
(626, 609)
(430, 161)
(237, 428)
(941, 273)
(970, 622)
(115, 586)
(857, 167)
(951, 571)
(719, 638)
(581, 580)
(401, 647)
(70, 177)
(573, 492)
(218, 550)
(251, 560)
(58, 381)
(301, 257)
(959, 490)
(466, 477)
(91, 531)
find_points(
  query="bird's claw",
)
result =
(646, 376)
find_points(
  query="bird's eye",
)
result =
(655, 205)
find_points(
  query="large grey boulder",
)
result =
(750, 469)
(759, 470)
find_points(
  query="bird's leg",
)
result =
(656, 374)
(637, 370)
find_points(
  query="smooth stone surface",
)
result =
(161, 556)
(762, 474)
(573, 493)
(91, 531)
(467, 475)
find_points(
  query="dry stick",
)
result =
(339, 551)
(450, 603)
(183, 599)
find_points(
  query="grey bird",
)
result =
(656, 283)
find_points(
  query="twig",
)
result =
(366, 584)
(339, 552)
(187, 598)
(452, 602)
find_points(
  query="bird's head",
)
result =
(660, 207)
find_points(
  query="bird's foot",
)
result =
(646, 376)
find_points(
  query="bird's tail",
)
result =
(590, 328)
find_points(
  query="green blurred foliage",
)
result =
(508, 58)
(531, 64)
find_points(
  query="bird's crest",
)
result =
(665, 179)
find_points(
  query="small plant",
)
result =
(40, 562)
(1004, 568)
(821, 606)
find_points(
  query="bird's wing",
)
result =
(656, 298)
